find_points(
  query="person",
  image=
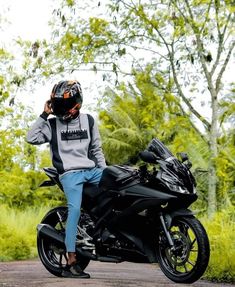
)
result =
(76, 153)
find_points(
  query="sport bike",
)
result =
(138, 215)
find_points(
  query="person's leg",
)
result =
(93, 175)
(73, 186)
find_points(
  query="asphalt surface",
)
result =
(33, 274)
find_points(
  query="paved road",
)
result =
(33, 274)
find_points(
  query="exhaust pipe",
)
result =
(47, 231)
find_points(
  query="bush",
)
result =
(221, 231)
(18, 232)
(19, 189)
(13, 246)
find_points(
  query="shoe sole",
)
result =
(68, 274)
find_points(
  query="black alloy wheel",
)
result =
(188, 260)
(52, 256)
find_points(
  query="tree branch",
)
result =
(200, 53)
(203, 137)
(220, 44)
(218, 80)
(207, 17)
(147, 49)
(182, 96)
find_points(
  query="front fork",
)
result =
(166, 227)
(166, 220)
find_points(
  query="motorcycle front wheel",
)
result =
(187, 261)
(54, 257)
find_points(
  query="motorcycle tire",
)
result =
(52, 257)
(189, 260)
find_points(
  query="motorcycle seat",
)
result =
(89, 190)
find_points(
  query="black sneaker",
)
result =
(74, 271)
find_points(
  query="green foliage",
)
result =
(228, 107)
(19, 163)
(225, 164)
(221, 232)
(20, 189)
(135, 114)
(70, 2)
(18, 232)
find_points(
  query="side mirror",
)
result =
(183, 156)
(148, 156)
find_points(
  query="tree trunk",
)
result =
(212, 178)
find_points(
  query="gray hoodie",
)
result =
(71, 144)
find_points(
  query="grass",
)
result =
(221, 232)
(18, 232)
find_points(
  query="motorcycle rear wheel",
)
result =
(188, 262)
(53, 257)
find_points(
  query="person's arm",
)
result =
(96, 148)
(40, 131)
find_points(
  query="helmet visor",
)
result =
(62, 106)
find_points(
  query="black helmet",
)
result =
(66, 99)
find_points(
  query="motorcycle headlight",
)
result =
(176, 188)
(174, 183)
(182, 190)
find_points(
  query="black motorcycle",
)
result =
(136, 215)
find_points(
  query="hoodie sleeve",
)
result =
(96, 148)
(39, 132)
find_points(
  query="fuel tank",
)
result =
(119, 177)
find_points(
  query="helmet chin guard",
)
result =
(72, 113)
(66, 99)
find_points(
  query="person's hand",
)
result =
(47, 107)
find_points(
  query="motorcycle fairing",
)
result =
(134, 232)
(113, 205)
(146, 192)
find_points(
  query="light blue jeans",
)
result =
(72, 183)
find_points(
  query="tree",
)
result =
(132, 115)
(190, 40)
